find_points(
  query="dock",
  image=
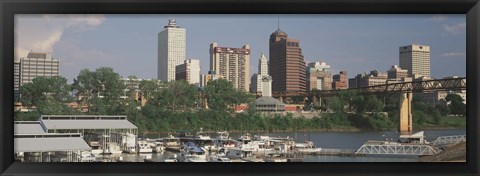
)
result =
(333, 152)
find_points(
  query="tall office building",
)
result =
(415, 59)
(38, 64)
(319, 76)
(16, 79)
(286, 66)
(171, 50)
(232, 64)
(262, 82)
(189, 71)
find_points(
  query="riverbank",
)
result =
(453, 153)
(349, 129)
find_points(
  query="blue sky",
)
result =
(355, 43)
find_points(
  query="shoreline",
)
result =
(317, 130)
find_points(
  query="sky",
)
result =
(355, 43)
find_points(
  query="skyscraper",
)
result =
(415, 59)
(232, 64)
(262, 82)
(38, 64)
(171, 50)
(16, 79)
(286, 66)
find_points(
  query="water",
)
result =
(335, 140)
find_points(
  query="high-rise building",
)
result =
(232, 64)
(171, 50)
(262, 82)
(340, 81)
(189, 70)
(415, 59)
(286, 66)
(16, 79)
(38, 64)
(319, 76)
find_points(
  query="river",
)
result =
(334, 140)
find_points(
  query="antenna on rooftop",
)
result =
(278, 23)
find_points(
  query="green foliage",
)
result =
(221, 95)
(456, 104)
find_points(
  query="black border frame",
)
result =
(10, 7)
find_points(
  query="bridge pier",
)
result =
(406, 123)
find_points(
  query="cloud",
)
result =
(452, 54)
(437, 18)
(455, 28)
(40, 33)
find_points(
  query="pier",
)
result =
(333, 152)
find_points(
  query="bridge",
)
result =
(404, 89)
(445, 140)
(403, 149)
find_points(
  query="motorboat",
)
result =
(144, 147)
(171, 143)
(204, 141)
(192, 153)
(307, 147)
(96, 147)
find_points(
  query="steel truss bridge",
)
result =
(414, 86)
(445, 140)
(409, 149)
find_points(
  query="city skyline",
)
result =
(127, 43)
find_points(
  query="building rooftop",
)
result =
(268, 101)
(28, 127)
(86, 122)
(43, 143)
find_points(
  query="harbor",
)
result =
(103, 142)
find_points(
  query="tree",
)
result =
(221, 94)
(456, 104)
(49, 94)
(99, 90)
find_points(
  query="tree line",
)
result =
(175, 105)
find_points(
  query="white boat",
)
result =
(144, 147)
(86, 156)
(172, 143)
(218, 158)
(204, 141)
(114, 148)
(159, 147)
(96, 148)
(307, 147)
(192, 153)
(275, 158)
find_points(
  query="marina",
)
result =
(190, 146)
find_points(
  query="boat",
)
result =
(192, 153)
(158, 146)
(114, 148)
(172, 143)
(222, 140)
(275, 158)
(204, 141)
(307, 147)
(96, 148)
(86, 156)
(144, 147)
(219, 158)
